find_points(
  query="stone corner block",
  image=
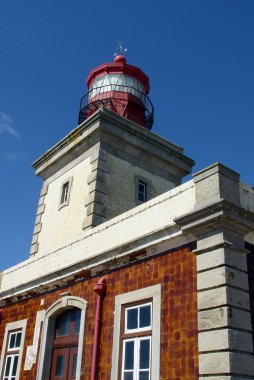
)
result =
(44, 190)
(217, 182)
(34, 249)
(92, 221)
(96, 175)
(216, 169)
(98, 155)
(96, 208)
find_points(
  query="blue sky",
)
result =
(198, 54)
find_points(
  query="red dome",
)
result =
(120, 58)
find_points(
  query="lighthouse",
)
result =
(120, 87)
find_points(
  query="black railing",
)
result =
(91, 102)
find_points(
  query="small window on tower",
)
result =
(65, 193)
(142, 190)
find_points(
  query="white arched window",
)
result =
(63, 339)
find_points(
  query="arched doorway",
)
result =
(65, 345)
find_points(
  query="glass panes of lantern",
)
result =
(118, 82)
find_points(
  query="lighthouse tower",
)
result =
(120, 87)
(111, 163)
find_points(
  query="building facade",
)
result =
(132, 274)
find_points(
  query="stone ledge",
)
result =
(220, 214)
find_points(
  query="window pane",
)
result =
(59, 365)
(129, 355)
(18, 340)
(63, 324)
(15, 365)
(145, 316)
(7, 366)
(74, 365)
(65, 191)
(132, 319)
(77, 315)
(142, 186)
(12, 341)
(144, 354)
(128, 376)
(144, 375)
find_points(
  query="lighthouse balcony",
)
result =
(126, 101)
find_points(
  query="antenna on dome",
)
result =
(120, 50)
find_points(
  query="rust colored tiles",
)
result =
(175, 271)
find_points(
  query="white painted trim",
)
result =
(66, 302)
(9, 327)
(153, 292)
(31, 351)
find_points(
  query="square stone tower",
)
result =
(104, 167)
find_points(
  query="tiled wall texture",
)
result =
(175, 271)
(121, 182)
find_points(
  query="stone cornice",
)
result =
(104, 122)
(149, 246)
(216, 215)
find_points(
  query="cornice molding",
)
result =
(214, 216)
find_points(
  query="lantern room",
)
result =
(120, 87)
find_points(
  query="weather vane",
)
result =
(120, 50)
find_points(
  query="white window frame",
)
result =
(66, 201)
(139, 329)
(136, 368)
(152, 293)
(17, 326)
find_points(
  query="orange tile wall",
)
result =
(176, 271)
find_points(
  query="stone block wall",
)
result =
(121, 185)
(250, 266)
(62, 226)
(175, 271)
